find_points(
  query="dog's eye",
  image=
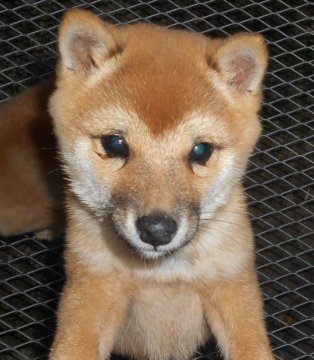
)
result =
(201, 153)
(115, 145)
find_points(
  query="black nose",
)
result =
(156, 229)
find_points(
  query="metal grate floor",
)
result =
(279, 180)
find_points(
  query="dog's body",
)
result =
(30, 181)
(155, 127)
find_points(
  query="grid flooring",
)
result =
(279, 180)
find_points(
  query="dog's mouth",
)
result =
(151, 254)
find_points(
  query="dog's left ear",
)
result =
(241, 62)
(85, 42)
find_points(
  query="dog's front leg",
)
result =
(91, 310)
(234, 311)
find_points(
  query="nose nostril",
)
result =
(156, 229)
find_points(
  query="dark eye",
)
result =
(115, 145)
(201, 153)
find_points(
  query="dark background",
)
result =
(279, 180)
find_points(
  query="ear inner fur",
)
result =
(241, 62)
(85, 42)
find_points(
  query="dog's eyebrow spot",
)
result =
(201, 125)
(112, 118)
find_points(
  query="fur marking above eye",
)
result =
(115, 146)
(201, 153)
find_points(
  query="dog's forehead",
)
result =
(163, 78)
(160, 100)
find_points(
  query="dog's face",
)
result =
(155, 126)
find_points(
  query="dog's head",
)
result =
(155, 125)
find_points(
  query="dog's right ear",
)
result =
(85, 42)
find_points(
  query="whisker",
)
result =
(218, 230)
(225, 211)
(220, 220)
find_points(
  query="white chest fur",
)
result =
(163, 323)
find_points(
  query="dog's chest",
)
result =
(162, 323)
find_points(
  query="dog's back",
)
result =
(29, 178)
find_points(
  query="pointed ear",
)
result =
(241, 62)
(85, 41)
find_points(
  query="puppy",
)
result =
(155, 128)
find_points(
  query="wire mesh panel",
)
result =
(279, 180)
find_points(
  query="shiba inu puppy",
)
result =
(155, 127)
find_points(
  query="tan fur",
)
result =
(234, 311)
(29, 196)
(164, 91)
